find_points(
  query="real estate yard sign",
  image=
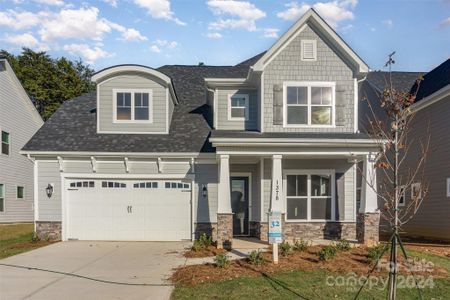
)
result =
(275, 233)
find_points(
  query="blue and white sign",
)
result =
(275, 231)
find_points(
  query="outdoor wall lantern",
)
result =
(204, 191)
(49, 190)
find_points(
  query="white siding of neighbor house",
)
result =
(19, 118)
(329, 66)
(159, 101)
(223, 105)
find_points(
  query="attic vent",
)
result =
(309, 50)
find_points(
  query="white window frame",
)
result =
(3, 197)
(309, 85)
(314, 43)
(327, 172)
(246, 98)
(448, 187)
(132, 92)
(9, 143)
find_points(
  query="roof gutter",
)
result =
(30, 153)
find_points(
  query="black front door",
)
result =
(239, 205)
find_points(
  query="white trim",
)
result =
(223, 82)
(215, 108)
(309, 85)
(246, 107)
(128, 176)
(314, 45)
(36, 192)
(270, 152)
(132, 132)
(309, 172)
(261, 104)
(355, 182)
(448, 187)
(118, 154)
(355, 105)
(133, 107)
(112, 71)
(167, 110)
(193, 200)
(261, 174)
(250, 199)
(23, 193)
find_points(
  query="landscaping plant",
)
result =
(285, 248)
(255, 257)
(221, 260)
(374, 253)
(301, 245)
(205, 240)
(343, 245)
(327, 253)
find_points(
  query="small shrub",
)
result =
(35, 238)
(301, 245)
(285, 248)
(221, 260)
(374, 253)
(255, 257)
(205, 240)
(343, 245)
(327, 253)
(196, 246)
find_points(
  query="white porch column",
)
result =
(369, 203)
(276, 199)
(224, 197)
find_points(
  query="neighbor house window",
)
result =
(309, 50)
(20, 192)
(132, 105)
(448, 187)
(5, 142)
(416, 191)
(309, 196)
(309, 104)
(238, 107)
(2, 197)
(401, 200)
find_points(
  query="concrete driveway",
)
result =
(127, 262)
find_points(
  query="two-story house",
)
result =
(19, 121)
(167, 153)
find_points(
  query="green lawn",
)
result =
(17, 238)
(306, 285)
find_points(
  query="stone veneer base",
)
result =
(209, 229)
(368, 228)
(225, 231)
(48, 231)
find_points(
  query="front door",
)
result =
(239, 205)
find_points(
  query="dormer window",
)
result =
(309, 50)
(238, 107)
(132, 106)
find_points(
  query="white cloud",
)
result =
(132, 34)
(334, 12)
(18, 20)
(50, 2)
(113, 3)
(271, 33)
(90, 55)
(388, 23)
(213, 35)
(444, 23)
(240, 14)
(25, 40)
(155, 49)
(159, 9)
(161, 45)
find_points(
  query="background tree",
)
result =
(400, 163)
(49, 82)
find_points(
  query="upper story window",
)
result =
(5, 142)
(308, 104)
(132, 106)
(238, 107)
(309, 50)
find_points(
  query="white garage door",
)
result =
(128, 210)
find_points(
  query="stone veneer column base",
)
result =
(48, 231)
(225, 231)
(368, 228)
(319, 230)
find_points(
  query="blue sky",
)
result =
(220, 32)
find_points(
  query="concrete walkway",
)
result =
(128, 262)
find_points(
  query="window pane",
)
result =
(120, 98)
(320, 185)
(326, 95)
(316, 95)
(137, 99)
(302, 181)
(104, 184)
(145, 99)
(2, 190)
(296, 208)
(291, 185)
(321, 208)
(141, 113)
(127, 99)
(320, 115)
(237, 112)
(123, 113)
(297, 115)
(91, 184)
(154, 185)
(5, 148)
(142, 185)
(291, 95)
(5, 137)
(297, 95)
(2, 204)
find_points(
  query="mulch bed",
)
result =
(437, 249)
(345, 262)
(205, 252)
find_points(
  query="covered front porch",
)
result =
(316, 190)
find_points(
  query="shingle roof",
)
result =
(402, 81)
(433, 81)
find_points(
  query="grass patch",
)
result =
(18, 238)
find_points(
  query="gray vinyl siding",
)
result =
(49, 209)
(19, 118)
(222, 110)
(205, 209)
(132, 81)
(288, 66)
(255, 206)
(347, 213)
(432, 219)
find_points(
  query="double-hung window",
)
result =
(238, 107)
(309, 196)
(132, 106)
(5, 142)
(309, 104)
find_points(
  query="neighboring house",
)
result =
(19, 121)
(168, 153)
